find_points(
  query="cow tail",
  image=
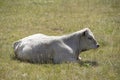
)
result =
(15, 47)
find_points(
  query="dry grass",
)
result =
(20, 18)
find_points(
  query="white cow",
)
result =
(39, 48)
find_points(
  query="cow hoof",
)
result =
(79, 58)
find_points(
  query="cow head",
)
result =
(88, 40)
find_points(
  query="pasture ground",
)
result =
(20, 18)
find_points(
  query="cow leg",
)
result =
(62, 52)
(63, 57)
(57, 60)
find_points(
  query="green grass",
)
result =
(20, 18)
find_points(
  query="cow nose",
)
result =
(98, 45)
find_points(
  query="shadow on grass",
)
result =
(88, 63)
(85, 63)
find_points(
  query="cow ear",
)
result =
(84, 33)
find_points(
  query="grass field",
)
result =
(20, 18)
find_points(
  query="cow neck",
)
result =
(69, 37)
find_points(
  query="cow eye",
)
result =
(89, 38)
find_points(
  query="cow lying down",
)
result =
(39, 48)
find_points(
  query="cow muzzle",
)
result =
(98, 45)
